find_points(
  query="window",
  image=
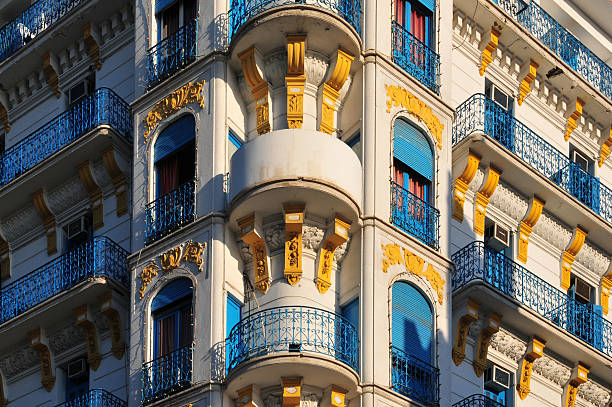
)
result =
(416, 17)
(234, 310)
(499, 385)
(580, 180)
(77, 232)
(81, 90)
(350, 311)
(234, 143)
(172, 314)
(77, 378)
(412, 160)
(174, 14)
(499, 115)
(354, 143)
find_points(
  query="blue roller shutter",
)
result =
(161, 5)
(412, 148)
(412, 321)
(176, 135)
(351, 312)
(233, 314)
(172, 292)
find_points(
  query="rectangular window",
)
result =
(173, 15)
(77, 232)
(234, 310)
(77, 378)
(416, 17)
(499, 385)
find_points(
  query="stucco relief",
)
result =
(100, 174)
(245, 252)
(272, 400)
(552, 370)
(18, 361)
(312, 237)
(341, 251)
(101, 322)
(508, 344)
(594, 394)
(276, 68)
(315, 67)
(274, 235)
(594, 259)
(309, 400)
(66, 195)
(66, 338)
(20, 223)
(509, 201)
(552, 231)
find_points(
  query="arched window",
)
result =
(172, 313)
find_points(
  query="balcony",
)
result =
(415, 216)
(170, 212)
(172, 53)
(103, 107)
(416, 58)
(477, 263)
(95, 398)
(100, 257)
(167, 375)
(561, 42)
(414, 378)
(477, 400)
(33, 21)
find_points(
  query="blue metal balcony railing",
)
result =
(33, 21)
(475, 262)
(103, 107)
(416, 58)
(561, 42)
(293, 329)
(415, 216)
(480, 113)
(167, 374)
(172, 53)
(242, 11)
(95, 398)
(414, 378)
(477, 400)
(170, 212)
(99, 257)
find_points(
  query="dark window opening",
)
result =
(416, 17)
(172, 313)
(77, 378)
(174, 15)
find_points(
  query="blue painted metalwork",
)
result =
(477, 263)
(414, 378)
(481, 114)
(95, 398)
(416, 58)
(172, 53)
(477, 400)
(415, 216)
(99, 257)
(167, 374)
(103, 107)
(242, 11)
(561, 42)
(170, 212)
(33, 21)
(293, 329)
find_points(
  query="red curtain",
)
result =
(165, 341)
(399, 12)
(417, 25)
(168, 174)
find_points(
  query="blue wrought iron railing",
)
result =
(477, 400)
(415, 216)
(242, 11)
(170, 212)
(103, 107)
(99, 257)
(477, 263)
(293, 329)
(33, 21)
(167, 374)
(415, 57)
(561, 42)
(414, 378)
(172, 53)
(480, 113)
(95, 398)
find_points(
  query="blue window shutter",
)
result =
(351, 312)
(234, 139)
(412, 148)
(161, 5)
(233, 314)
(173, 137)
(412, 321)
(429, 4)
(172, 292)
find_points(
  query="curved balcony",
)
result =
(167, 375)
(170, 212)
(477, 400)
(95, 397)
(415, 216)
(414, 378)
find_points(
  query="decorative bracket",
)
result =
(482, 199)
(531, 218)
(5, 260)
(580, 375)
(487, 52)
(462, 184)
(525, 86)
(50, 68)
(480, 361)
(258, 248)
(249, 397)
(333, 396)
(606, 286)
(92, 41)
(114, 319)
(146, 276)
(605, 149)
(295, 80)
(463, 326)
(259, 88)
(331, 90)
(40, 204)
(292, 389)
(573, 118)
(171, 259)
(118, 178)
(569, 255)
(294, 217)
(38, 342)
(326, 257)
(535, 350)
(94, 192)
(84, 319)
(4, 118)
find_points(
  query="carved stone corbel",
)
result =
(487, 52)
(580, 374)
(326, 256)
(463, 327)
(114, 319)
(480, 361)
(5, 122)
(38, 342)
(91, 38)
(171, 259)
(525, 86)
(94, 192)
(605, 149)
(482, 199)
(333, 396)
(572, 120)
(249, 397)
(5, 260)
(258, 248)
(118, 178)
(294, 218)
(569, 255)
(40, 204)
(462, 184)
(531, 218)
(331, 90)
(535, 350)
(295, 80)
(292, 391)
(51, 70)
(259, 88)
(84, 319)
(606, 286)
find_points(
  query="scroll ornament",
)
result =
(146, 275)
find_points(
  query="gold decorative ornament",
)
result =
(84, 320)
(572, 120)
(189, 93)
(4, 118)
(38, 342)
(480, 359)
(40, 204)
(146, 276)
(94, 192)
(295, 80)
(294, 217)
(462, 184)
(463, 327)
(487, 52)
(292, 390)
(118, 179)
(51, 76)
(326, 256)
(259, 88)
(525, 86)
(482, 199)
(331, 90)
(91, 40)
(5, 260)
(193, 253)
(569, 255)
(258, 248)
(114, 319)
(248, 397)
(400, 97)
(171, 259)
(535, 350)
(606, 286)
(605, 148)
(334, 396)
(579, 375)
(531, 218)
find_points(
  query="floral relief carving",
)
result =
(593, 259)
(66, 338)
(275, 236)
(273, 400)
(508, 344)
(20, 223)
(193, 253)
(550, 229)
(552, 370)
(146, 276)
(171, 259)
(309, 400)
(315, 67)
(341, 251)
(312, 237)
(18, 361)
(509, 201)
(594, 394)
(245, 252)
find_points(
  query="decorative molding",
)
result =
(258, 249)
(535, 350)
(595, 394)
(315, 67)
(65, 339)
(146, 276)
(509, 201)
(580, 374)
(573, 118)
(245, 252)
(66, 196)
(292, 389)
(274, 235)
(331, 90)
(462, 184)
(171, 259)
(604, 152)
(551, 369)
(525, 86)
(400, 97)
(594, 259)
(84, 319)
(295, 80)
(482, 199)
(18, 361)
(38, 342)
(553, 231)
(92, 41)
(192, 92)
(119, 180)
(463, 326)
(480, 359)
(50, 68)
(531, 218)
(94, 192)
(194, 252)
(569, 255)
(508, 344)
(40, 204)
(294, 218)
(487, 53)
(7, 127)
(108, 308)
(5, 260)
(341, 252)
(259, 88)
(312, 236)
(338, 236)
